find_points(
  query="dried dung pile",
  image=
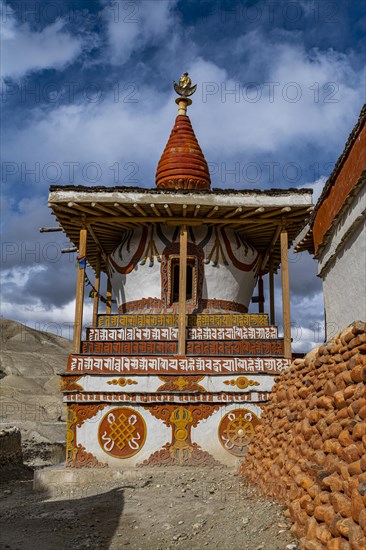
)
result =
(310, 450)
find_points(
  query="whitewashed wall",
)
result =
(342, 266)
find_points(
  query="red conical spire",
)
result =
(182, 164)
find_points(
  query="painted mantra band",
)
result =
(173, 365)
(194, 320)
(210, 348)
(171, 333)
(253, 397)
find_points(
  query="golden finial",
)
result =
(184, 89)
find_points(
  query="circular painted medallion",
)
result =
(122, 432)
(236, 429)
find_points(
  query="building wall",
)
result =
(349, 174)
(344, 284)
(342, 266)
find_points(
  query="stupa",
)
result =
(179, 375)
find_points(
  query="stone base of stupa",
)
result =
(135, 403)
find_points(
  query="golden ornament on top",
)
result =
(184, 87)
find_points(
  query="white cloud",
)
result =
(25, 51)
(19, 276)
(329, 97)
(134, 25)
(59, 320)
(317, 187)
(118, 131)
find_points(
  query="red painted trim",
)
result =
(345, 181)
(235, 261)
(136, 257)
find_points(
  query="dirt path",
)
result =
(155, 509)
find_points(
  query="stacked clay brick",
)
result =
(310, 450)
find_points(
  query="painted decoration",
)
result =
(236, 429)
(222, 264)
(171, 333)
(160, 434)
(130, 397)
(222, 397)
(199, 347)
(188, 383)
(122, 432)
(175, 365)
(146, 320)
(181, 450)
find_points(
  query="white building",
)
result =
(336, 235)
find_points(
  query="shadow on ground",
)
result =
(75, 523)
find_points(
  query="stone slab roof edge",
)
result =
(127, 196)
(155, 191)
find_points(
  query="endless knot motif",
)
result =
(236, 429)
(122, 432)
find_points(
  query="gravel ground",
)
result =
(155, 509)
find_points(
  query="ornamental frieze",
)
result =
(181, 383)
(171, 333)
(222, 397)
(173, 383)
(210, 348)
(193, 320)
(175, 365)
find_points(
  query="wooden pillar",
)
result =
(79, 302)
(285, 294)
(260, 295)
(271, 293)
(108, 307)
(96, 294)
(182, 291)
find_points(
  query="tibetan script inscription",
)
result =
(193, 320)
(171, 333)
(175, 365)
(210, 348)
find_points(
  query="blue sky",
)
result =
(87, 99)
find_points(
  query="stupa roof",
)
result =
(109, 211)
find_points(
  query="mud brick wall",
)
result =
(310, 450)
(10, 447)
